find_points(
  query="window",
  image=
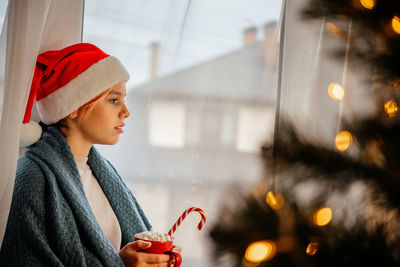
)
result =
(194, 104)
(167, 124)
(255, 127)
(228, 133)
(193, 126)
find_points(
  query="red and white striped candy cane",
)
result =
(183, 216)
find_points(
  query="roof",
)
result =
(242, 74)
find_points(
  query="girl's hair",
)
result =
(84, 111)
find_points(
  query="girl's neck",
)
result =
(78, 144)
(78, 147)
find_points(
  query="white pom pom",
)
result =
(30, 133)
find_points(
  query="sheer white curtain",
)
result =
(300, 63)
(30, 27)
(309, 67)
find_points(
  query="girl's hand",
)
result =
(132, 258)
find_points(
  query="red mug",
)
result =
(162, 247)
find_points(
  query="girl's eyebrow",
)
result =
(115, 92)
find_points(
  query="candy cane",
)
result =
(183, 216)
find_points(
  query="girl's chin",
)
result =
(109, 142)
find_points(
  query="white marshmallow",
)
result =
(154, 236)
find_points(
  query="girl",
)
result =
(70, 207)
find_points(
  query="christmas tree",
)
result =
(308, 211)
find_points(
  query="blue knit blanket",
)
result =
(50, 221)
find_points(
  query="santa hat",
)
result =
(65, 80)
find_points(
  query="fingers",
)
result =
(149, 258)
(156, 258)
(132, 257)
(139, 244)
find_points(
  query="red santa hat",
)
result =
(65, 80)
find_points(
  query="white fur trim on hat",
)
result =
(30, 133)
(87, 85)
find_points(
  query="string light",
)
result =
(368, 4)
(343, 140)
(391, 108)
(333, 29)
(274, 201)
(336, 91)
(396, 82)
(260, 251)
(322, 216)
(312, 248)
(396, 24)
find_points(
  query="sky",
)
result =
(189, 32)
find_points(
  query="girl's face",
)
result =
(104, 124)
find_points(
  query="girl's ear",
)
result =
(73, 115)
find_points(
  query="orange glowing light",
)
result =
(260, 251)
(322, 216)
(391, 108)
(396, 24)
(368, 4)
(396, 82)
(336, 91)
(312, 248)
(333, 29)
(343, 140)
(275, 201)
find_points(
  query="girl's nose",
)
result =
(124, 112)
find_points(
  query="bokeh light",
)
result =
(275, 201)
(260, 251)
(322, 216)
(396, 24)
(312, 248)
(333, 29)
(343, 140)
(391, 108)
(336, 91)
(368, 4)
(396, 82)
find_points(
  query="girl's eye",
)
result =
(114, 100)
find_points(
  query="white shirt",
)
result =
(99, 204)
